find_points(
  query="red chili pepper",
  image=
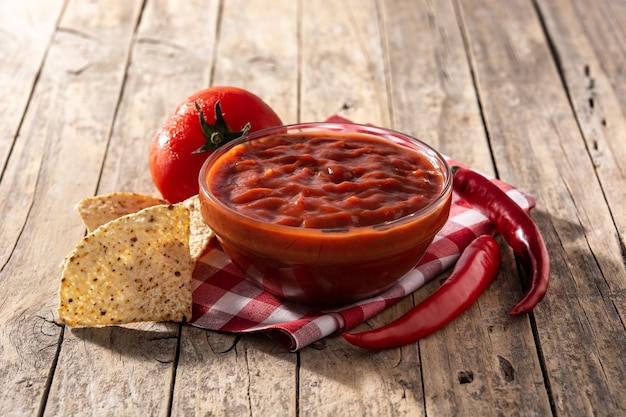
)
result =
(517, 229)
(473, 273)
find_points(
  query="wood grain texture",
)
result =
(485, 362)
(222, 374)
(434, 96)
(135, 372)
(258, 51)
(432, 91)
(342, 72)
(84, 56)
(219, 374)
(339, 379)
(115, 371)
(25, 31)
(168, 63)
(532, 91)
(538, 145)
(590, 47)
(342, 63)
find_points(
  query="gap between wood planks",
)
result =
(587, 72)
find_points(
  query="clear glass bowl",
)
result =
(326, 267)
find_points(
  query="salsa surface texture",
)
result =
(325, 181)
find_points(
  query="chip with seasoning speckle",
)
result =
(101, 209)
(135, 268)
(200, 233)
(98, 210)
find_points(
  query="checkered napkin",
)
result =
(224, 300)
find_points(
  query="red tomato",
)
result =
(178, 149)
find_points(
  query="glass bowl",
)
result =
(327, 264)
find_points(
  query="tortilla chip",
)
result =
(101, 209)
(201, 234)
(134, 268)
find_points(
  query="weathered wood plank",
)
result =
(26, 28)
(136, 367)
(55, 162)
(342, 63)
(538, 146)
(252, 375)
(343, 71)
(589, 42)
(25, 33)
(222, 375)
(337, 379)
(120, 371)
(258, 50)
(105, 86)
(102, 35)
(171, 58)
(433, 97)
(485, 362)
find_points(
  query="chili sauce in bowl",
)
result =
(325, 213)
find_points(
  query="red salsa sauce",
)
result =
(324, 181)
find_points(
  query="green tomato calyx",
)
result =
(218, 134)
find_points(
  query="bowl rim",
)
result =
(435, 158)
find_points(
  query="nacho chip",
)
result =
(101, 209)
(134, 268)
(200, 233)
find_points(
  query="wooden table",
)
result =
(531, 91)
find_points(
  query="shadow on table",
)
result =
(157, 341)
(572, 262)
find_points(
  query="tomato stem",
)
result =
(218, 134)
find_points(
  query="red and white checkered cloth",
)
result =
(224, 300)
